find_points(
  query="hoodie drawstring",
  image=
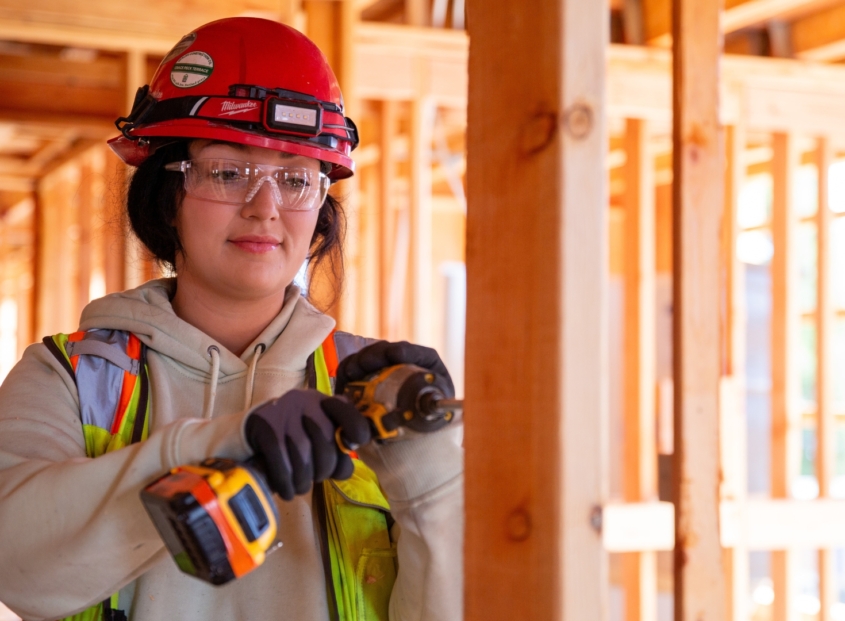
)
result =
(214, 352)
(250, 378)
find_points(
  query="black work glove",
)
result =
(373, 358)
(294, 439)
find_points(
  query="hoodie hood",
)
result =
(146, 311)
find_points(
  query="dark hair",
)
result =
(152, 202)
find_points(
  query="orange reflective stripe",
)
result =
(330, 354)
(72, 338)
(133, 350)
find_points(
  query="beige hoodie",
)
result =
(73, 531)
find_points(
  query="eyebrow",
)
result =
(243, 147)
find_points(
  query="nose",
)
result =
(263, 201)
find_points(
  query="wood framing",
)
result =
(697, 212)
(537, 279)
(820, 36)
(786, 414)
(733, 421)
(826, 423)
(640, 424)
(421, 277)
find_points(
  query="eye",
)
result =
(227, 172)
(297, 180)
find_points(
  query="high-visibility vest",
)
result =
(359, 560)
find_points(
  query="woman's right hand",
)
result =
(294, 439)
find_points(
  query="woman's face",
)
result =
(249, 251)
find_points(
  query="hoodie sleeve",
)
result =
(72, 529)
(422, 476)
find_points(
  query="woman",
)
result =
(236, 141)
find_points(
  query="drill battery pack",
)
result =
(217, 519)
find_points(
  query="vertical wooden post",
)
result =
(331, 25)
(417, 12)
(537, 278)
(422, 129)
(386, 220)
(732, 410)
(826, 425)
(786, 440)
(56, 224)
(114, 237)
(85, 212)
(698, 197)
(135, 269)
(640, 471)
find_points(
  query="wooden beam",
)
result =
(421, 274)
(732, 414)
(781, 524)
(657, 18)
(537, 279)
(758, 524)
(639, 526)
(640, 471)
(820, 36)
(737, 15)
(786, 447)
(83, 205)
(698, 197)
(136, 270)
(14, 183)
(80, 36)
(741, 14)
(417, 13)
(401, 63)
(115, 238)
(387, 216)
(826, 424)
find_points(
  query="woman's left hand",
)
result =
(383, 354)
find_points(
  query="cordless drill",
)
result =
(219, 520)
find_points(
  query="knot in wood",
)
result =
(539, 132)
(597, 519)
(578, 120)
(518, 525)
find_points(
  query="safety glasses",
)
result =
(237, 183)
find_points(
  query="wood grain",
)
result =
(698, 198)
(536, 371)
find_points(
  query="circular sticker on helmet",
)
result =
(192, 69)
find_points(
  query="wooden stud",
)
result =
(421, 275)
(640, 458)
(114, 229)
(698, 197)
(731, 407)
(537, 280)
(786, 447)
(826, 423)
(84, 199)
(55, 273)
(417, 12)
(821, 35)
(657, 19)
(137, 267)
(387, 218)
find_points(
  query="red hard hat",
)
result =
(246, 80)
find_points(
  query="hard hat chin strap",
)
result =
(142, 106)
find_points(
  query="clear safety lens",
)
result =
(236, 182)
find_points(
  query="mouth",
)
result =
(255, 244)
